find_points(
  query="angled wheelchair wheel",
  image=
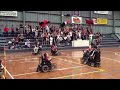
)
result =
(45, 68)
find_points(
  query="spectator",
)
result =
(12, 31)
(6, 29)
(27, 43)
(21, 38)
(79, 34)
(100, 37)
(36, 33)
(21, 29)
(51, 40)
(9, 44)
(33, 31)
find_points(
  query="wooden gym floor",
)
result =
(23, 65)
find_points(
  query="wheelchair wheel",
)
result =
(92, 64)
(97, 65)
(45, 68)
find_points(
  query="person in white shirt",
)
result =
(51, 40)
(47, 28)
(36, 33)
(36, 49)
(33, 31)
(27, 43)
(79, 34)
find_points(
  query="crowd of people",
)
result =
(49, 34)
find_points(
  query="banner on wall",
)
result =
(76, 20)
(94, 21)
(102, 21)
(8, 13)
(103, 12)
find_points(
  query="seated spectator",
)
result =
(27, 43)
(21, 38)
(9, 44)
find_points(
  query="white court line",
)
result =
(80, 64)
(54, 70)
(63, 68)
(111, 59)
(26, 59)
(25, 74)
(75, 74)
(8, 73)
(69, 68)
(116, 53)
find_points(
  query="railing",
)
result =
(116, 36)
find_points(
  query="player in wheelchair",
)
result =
(37, 50)
(45, 65)
(86, 54)
(91, 57)
(54, 51)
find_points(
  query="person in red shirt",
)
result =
(53, 49)
(47, 59)
(6, 29)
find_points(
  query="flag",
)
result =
(90, 22)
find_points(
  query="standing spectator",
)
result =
(12, 31)
(6, 29)
(27, 32)
(79, 34)
(36, 33)
(17, 31)
(47, 28)
(21, 30)
(100, 37)
(33, 31)
(51, 40)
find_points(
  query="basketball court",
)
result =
(23, 65)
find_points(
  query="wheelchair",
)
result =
(93, 62)
(88, 60)
(46, 66)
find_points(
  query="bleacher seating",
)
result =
(32, 41)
